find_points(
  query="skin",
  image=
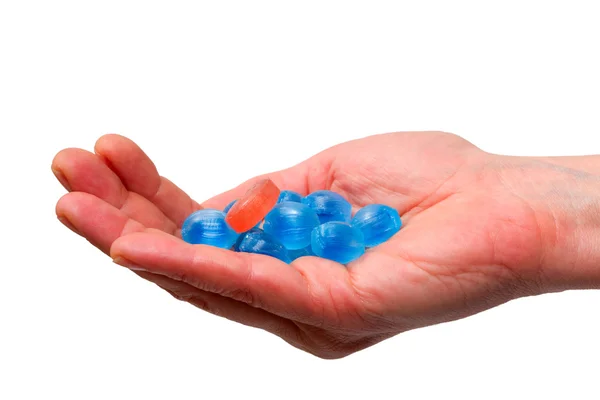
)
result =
(479, 230)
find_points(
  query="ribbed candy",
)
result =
(329, 206)
(253, 206)
(291, 223)
(377, 222)
(294, 254)
(208, 226)
(337, 241)
(259, 242)
(228, 207)
(289, 195)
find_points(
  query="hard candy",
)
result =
(228, 207)
(291, 223)
(329, 206)
(377, 222)
(294, 254)
(259, 242)
(289, 195)
(253, 206)
(337, 241)
(208, 227)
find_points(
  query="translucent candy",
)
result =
(228, 207)
(329, 206)
(337, 241)
(377, 222)
(289, 195)
(208, 226)
(291, 223)
(253, 206)
(259, 242)
(294, 254)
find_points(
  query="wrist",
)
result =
(564, 195)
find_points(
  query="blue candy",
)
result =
(259, 242)
(377, 222)
(329, 206)
(208, 226)
(337, 241)
(289, 195)
(294, 254)
(291, 223)
(228, 206)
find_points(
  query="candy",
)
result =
(329, 206)
(291, 224)
(377, 222)
(259, 242)
(289, 195)
(337, 241)
(208, 226)
(228, 206)
(294, 254)
(253, 206)
(318, 225)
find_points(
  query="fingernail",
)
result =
(61, 178)
(65, 221)
(123, 262)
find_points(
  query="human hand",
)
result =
(478, 230)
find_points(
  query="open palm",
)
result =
(468, 243)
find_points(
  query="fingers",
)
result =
(259, 281)
(82, 171)
(227, 308)
(139, 174)
(96, 220)
(136, 170)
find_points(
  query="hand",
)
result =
(479, 230)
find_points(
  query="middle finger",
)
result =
(81, 171)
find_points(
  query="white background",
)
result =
(217, 92)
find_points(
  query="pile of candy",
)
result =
(287, 226)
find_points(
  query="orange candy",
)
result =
(253, 206)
